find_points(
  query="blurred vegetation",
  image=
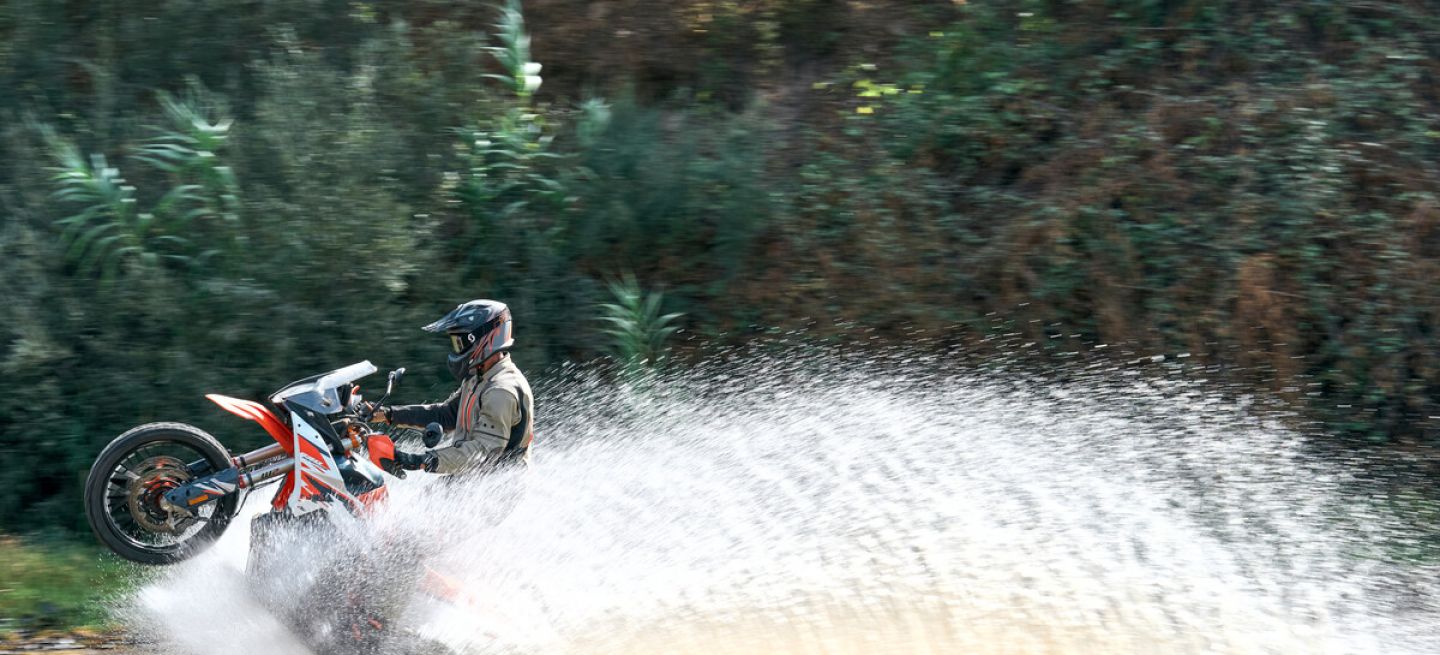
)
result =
(224, 196)
(52, 584)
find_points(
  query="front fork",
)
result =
(185, 498)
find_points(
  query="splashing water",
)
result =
(829, 505)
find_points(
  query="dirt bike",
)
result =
(162, 492)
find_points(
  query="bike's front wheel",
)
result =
(126, 484)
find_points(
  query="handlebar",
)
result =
(390, 381)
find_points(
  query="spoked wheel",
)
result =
(125, 487)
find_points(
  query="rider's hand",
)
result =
(416, 461)
(378, 413)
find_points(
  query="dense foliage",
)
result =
(222, 196)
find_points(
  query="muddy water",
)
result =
(812, 504)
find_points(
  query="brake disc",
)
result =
(156, 477)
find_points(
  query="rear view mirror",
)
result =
(394, 379)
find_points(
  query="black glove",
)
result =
(425, 461)
(376, 413)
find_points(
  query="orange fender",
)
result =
(260, 414)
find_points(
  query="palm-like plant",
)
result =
(506, 164)
(637, 329)
(509, 164)
(521, 75)
(110, 229)
(191, 149)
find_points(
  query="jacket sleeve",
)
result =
(499, 411)
(419, 416)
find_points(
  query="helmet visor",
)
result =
(460, 342)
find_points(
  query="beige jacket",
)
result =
(491, 417)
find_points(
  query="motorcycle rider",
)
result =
(491, 415)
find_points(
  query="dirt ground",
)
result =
(67, 643)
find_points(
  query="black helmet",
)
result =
(477, 329)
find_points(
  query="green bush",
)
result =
(229, 197)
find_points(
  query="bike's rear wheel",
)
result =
(133, 472)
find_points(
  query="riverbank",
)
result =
(77, 642)
(53, 584)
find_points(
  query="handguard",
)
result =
(382, 453)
